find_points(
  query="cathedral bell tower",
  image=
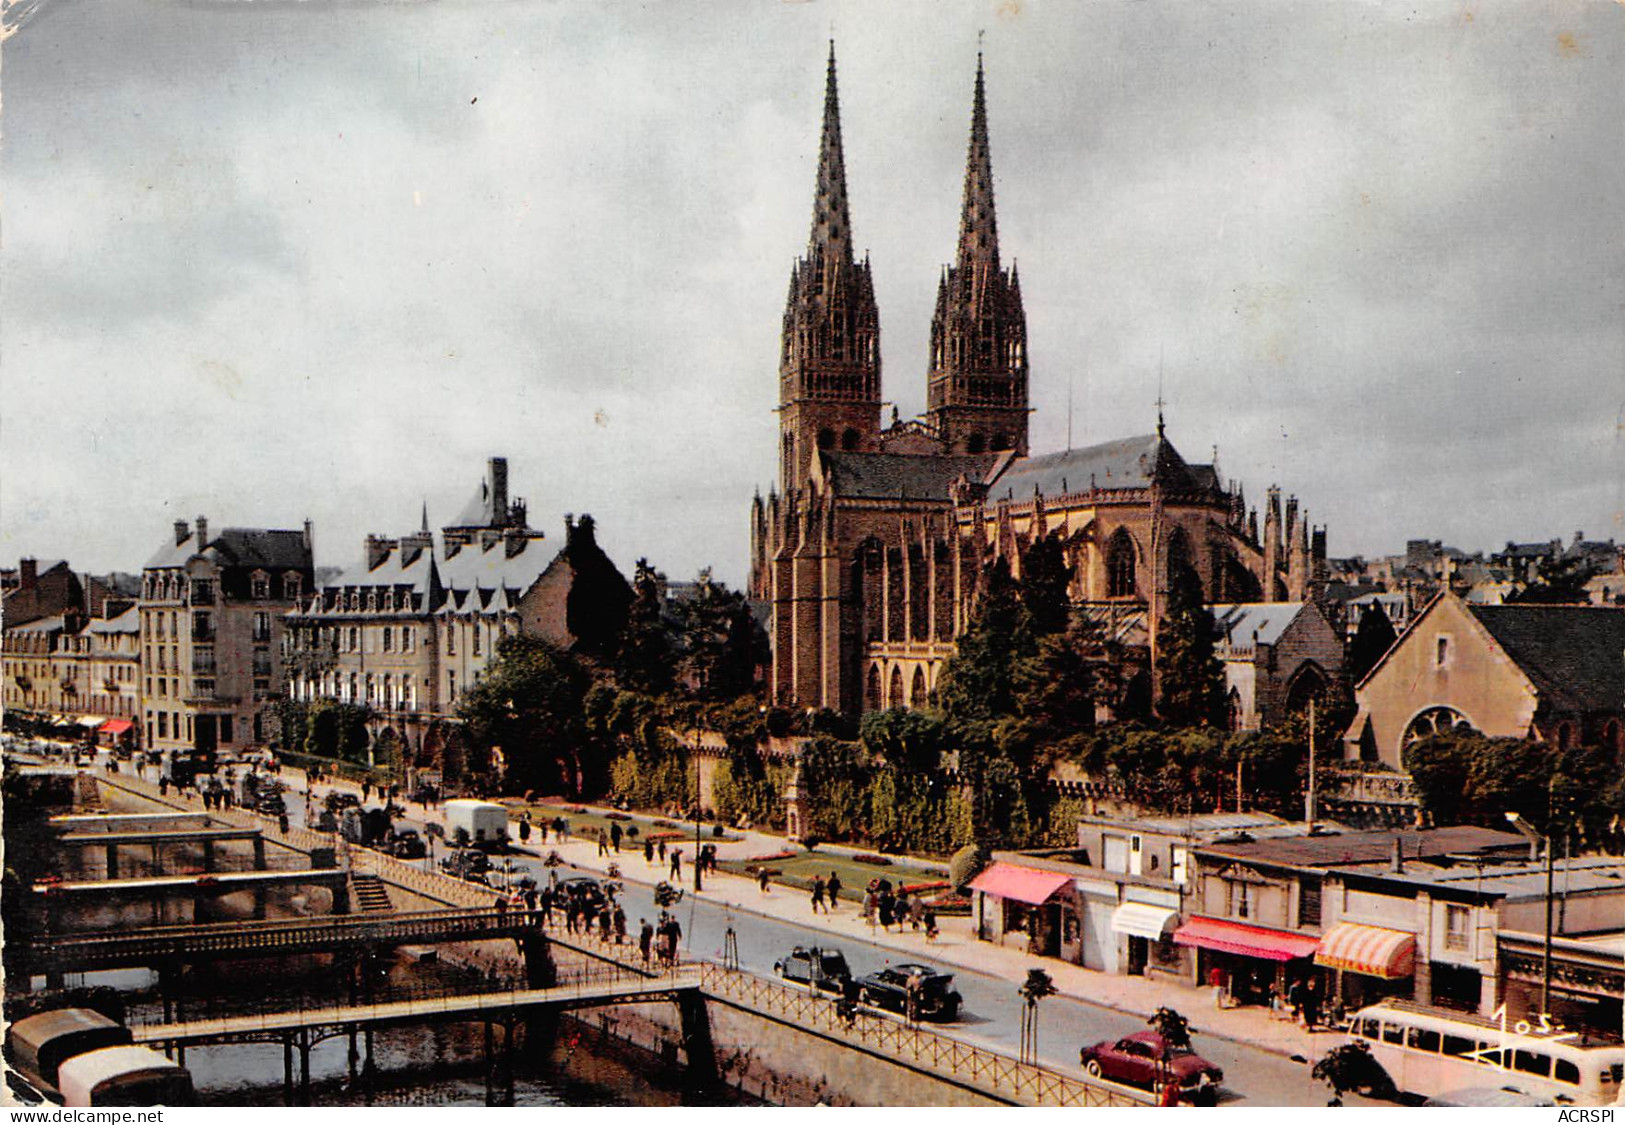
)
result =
(829, 356)
(977, 387)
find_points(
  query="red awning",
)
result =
(1024, 884)
(1249, 941)
(116, 726)
(1372, 950)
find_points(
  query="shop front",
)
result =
(1147, 933)
(117, 734)
(1025, 907)
(1369, 963)
(1246, 962)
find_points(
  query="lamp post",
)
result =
(1545, 840)
(697, 865)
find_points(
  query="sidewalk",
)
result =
(956, 945)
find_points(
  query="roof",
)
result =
(1366, 847)
(1518, 879)
(85, 1072)
(1126, 463)
(1574, 654)
(478, 511)
(250, 547)
(38, 625)
(127, 622)
(888, 476)
(1261, 622)
(1190, 825)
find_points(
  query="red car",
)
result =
(1143, 1059)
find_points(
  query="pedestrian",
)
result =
(646, 937)
(916, 911)
(677, 863)
(366, 791)
(282, 823)
(615, 837)
(605, 922)
(163, 786)
(570, 916)
(619, 921)
(524, 831)
(541, 828)
(886, 905)
(502, 906)
(817, 893)
(1294, 997)
(546, 901)
(1311, 1004)
(660, 850)
(603, 843)
(930, 924)
(1170, 1092)
(763, 877)
(833, 889)
(871, 902)
(648, 851)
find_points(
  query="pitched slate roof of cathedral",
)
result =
(887, 476)
(1574, 654)
(1126, 463)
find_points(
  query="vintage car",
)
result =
(468, 865)
(824, 969)
(889, 988)
(585, 892)
(1144, 1059)
(407, 844)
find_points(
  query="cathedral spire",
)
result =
(978, 228)
(831, 237)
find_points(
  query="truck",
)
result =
(483, 823)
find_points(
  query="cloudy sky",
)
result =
(275, 260)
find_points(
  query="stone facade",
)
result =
(211, 615)
(1277, 656)
(408, 631)
(873, 545)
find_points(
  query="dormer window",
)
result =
(259, 585)
(389, 601)
(291, 586)
(355, 600)
(372, 601)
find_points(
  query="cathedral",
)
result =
(873, 545)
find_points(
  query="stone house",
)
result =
(1277, 656)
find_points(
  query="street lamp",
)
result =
(1544, 840)
(697, 865)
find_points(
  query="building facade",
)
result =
(414, 626)
(211, 621)
(1277, 656)
(872, 547)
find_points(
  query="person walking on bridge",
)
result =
(646, 937)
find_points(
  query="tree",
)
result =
(722, 647)
(1351, 1067)
(1174, 1028)
(834, 788)
(1559, 580)
(643, 662)
(531, 705)
(978, 681)
(1372, 641)
(1037, 986)
(1045, 586)
(1190, 675)
(1467, 778)
(907, 740)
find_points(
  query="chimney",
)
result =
(513, 541)
(499, 490)
(569, 528)
(378, 549)
(1396, 858)
(202, 533)
(181, 532)
(27, 573)
(309, 538)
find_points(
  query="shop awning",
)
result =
(1249, 941)
(117, 726)
(1024, 884)
(92, 721)
(1372, 950)
(1137, 919)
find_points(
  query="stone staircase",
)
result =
(369, 895)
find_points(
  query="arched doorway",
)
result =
(1308, 682)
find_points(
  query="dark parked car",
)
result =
(407, 844)
(889, 989)
(584, 892)
(271, 805)
(824, 968)
(1143, 1059)
(467, 864)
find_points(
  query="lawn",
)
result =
(798, 871)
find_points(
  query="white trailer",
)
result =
(484, 822)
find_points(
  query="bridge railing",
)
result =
(967, 1062)
(245, 1014)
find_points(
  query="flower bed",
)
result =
(771, 857)
(918, 888)
(872, 859)
(949, 904)
(617, 816)
(656, 837)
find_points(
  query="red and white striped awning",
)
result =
(1372, 950)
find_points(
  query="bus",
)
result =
(1427, 1051)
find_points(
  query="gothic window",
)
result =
(916, 692)
(1308, 683)
(895, 695)
(975, 444)
(1120, 565)
(1001, 442)
(826, 439)
(849, 439)
(872, 699)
